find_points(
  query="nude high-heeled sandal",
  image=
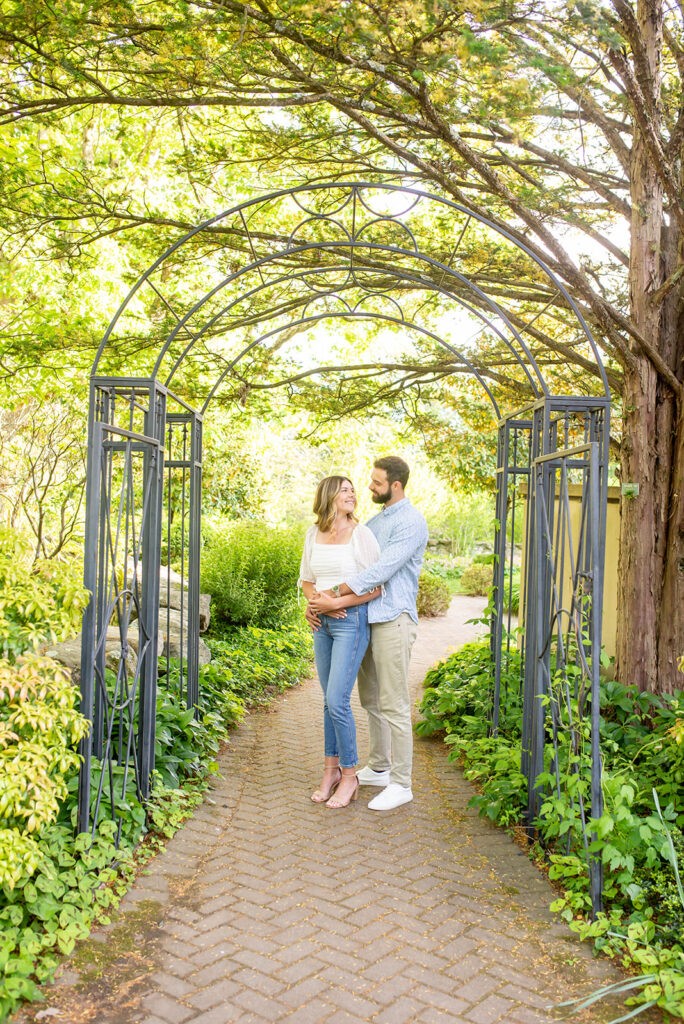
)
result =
(320, 796)
(335, 802)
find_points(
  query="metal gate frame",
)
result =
(542, 445)
(122, 555)
(534, 444)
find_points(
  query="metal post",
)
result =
(92, 522)
(537, 712)
(155, 424)
(193, 694)
(532, 598)
(595, 863)
(499, 566)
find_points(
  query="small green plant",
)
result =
(54, 905)
(642, 944)
(433, 595)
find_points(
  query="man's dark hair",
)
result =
(395, 468)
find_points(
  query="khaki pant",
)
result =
(384, 695)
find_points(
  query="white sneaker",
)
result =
(392, 796)
(369, 777)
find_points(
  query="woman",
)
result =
(335, 548)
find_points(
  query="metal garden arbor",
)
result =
(313, 253)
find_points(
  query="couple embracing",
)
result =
(361, 584)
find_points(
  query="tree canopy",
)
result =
(560, 122)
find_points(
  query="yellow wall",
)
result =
(611, 564)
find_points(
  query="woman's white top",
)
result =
(328, 565)
(332, 564)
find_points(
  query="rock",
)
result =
(68, 653)
(113, 650)
(134, 639)
(173, 648)
(170, 621)
(166, 574)
(171, 598)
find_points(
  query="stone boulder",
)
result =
(170, 639)
(171, 598)
(173, 647)
(68, 652)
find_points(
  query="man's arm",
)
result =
(312, 613)
(402, 545)
(326, 601)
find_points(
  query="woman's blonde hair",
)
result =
(324, 502)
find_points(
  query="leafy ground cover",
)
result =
(54, 883)
(639, 837)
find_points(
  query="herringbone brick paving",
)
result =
(266, 907)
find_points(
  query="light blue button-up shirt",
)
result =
(402, 534)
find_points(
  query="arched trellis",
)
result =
(315, 253)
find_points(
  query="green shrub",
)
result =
(171, 539)
(39, 602)
(458, 694)
(433, 595)
(39, 728)
(476, 579)
(251, 573)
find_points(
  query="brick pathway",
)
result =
(266, 907)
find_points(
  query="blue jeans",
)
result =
(339, 647)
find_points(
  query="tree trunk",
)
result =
(651, 571)
(671, 635)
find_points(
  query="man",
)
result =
(402, 534)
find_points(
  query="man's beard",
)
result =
(382, 499)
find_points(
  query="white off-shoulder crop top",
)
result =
(327, 565)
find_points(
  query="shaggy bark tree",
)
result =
(555, 120)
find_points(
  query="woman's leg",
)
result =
(323, 644)
(323, 649)
(350, 640)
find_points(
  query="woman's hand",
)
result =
(323, 603)
(312, 618)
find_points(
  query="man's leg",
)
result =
(391, 643)
(379, 756)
